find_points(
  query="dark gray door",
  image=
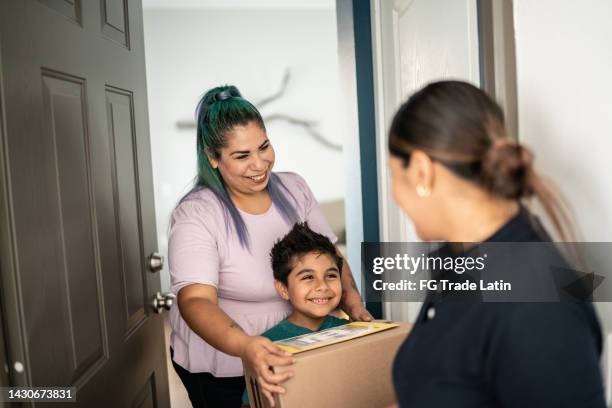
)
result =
(77, 198)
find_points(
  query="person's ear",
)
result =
(214, 163)
(281, 289)
(421, 171)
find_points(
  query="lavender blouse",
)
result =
(203, 250)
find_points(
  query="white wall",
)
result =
(564, 66)
(190, 51)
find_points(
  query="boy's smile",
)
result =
(320, 301)
(313, 288)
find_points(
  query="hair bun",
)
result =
(226, 92)
(507, 169)
(219, 93)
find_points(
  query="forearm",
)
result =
(213, 325)
(350, 293)
(350, 298)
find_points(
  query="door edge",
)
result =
(12, 350)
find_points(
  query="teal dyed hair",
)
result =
(218, 112)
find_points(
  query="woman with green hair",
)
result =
(221, 235)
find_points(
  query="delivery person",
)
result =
(460, 178)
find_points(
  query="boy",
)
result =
(307, 272)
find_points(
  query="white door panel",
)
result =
(436, 39)
(415, 42)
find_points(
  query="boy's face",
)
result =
(313, 285)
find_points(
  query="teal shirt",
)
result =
(285, 329)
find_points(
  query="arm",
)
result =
(198, 306)
(351, 299)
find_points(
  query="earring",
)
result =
(422, 191)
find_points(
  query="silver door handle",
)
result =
(162, 301)
(156, 262)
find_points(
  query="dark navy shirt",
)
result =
(497, 355)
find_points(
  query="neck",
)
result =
(475, 220)
(300, 319)
(257, 203)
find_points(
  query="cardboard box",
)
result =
(354, 373)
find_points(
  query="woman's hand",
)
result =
(358, 313)
(260, 355)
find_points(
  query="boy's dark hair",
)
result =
(298, 242)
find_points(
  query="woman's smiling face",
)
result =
(246, 161)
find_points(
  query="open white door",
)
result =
(415, 42)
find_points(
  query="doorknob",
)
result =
(162, 301)
(156, 262)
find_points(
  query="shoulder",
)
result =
(198, 206)
(297, 188)
(289, 176)
(292, 181)
(333, 321)
(196, 201)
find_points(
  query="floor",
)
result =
(178, 394)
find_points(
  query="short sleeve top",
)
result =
(204, 249)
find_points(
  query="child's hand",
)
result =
(260, 355)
